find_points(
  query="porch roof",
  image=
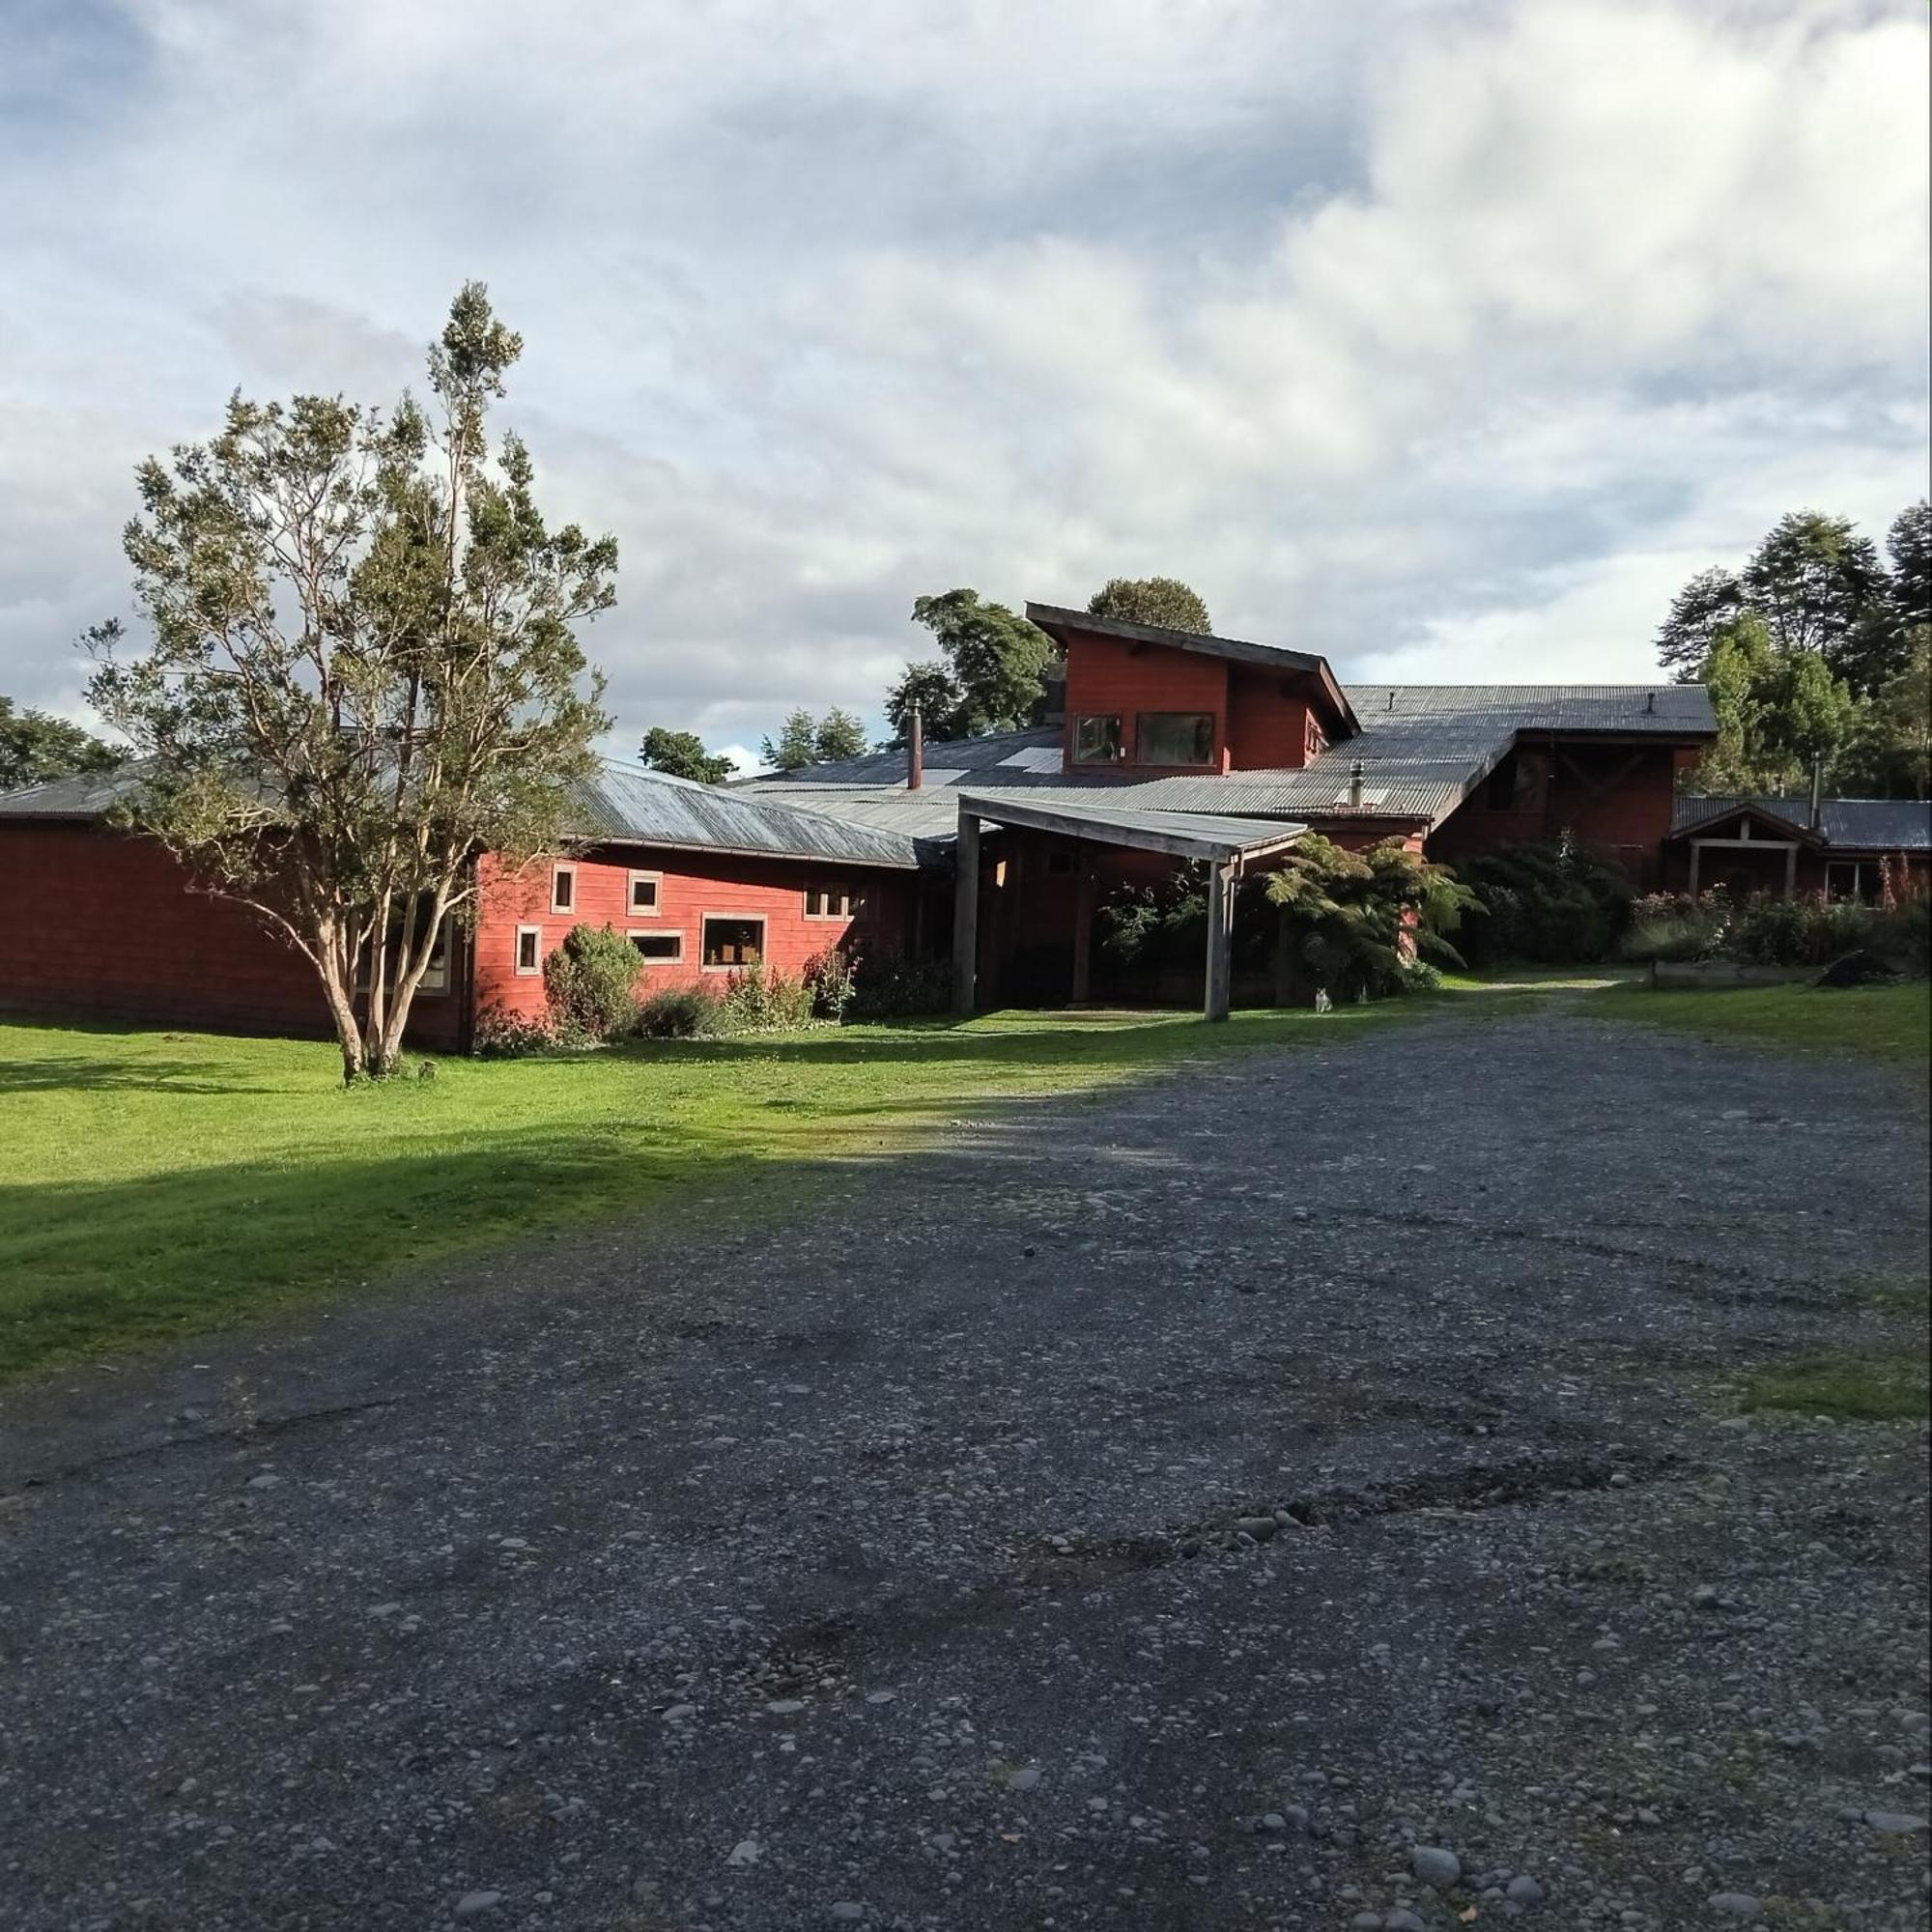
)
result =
(1181, 835)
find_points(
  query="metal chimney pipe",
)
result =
(915, 750)
(1355, 782)
(1817, 817)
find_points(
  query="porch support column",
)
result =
(1220, 938)
(1790, 871)
(1083, 929)
(1697, 858)
(966, 915)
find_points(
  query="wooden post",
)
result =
(1083, 930)
(1696, 859)
(966, 915)
(1791, 871)
(1220, 939)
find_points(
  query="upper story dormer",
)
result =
(1144, 701)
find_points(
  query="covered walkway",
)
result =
(1225, 844)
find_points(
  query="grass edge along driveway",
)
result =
(158, 1185)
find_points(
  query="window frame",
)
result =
(656, 882)
(563, 868)
(1857, 868)
(851, 898)
(535, 969)
(659, 933)
(762, 920)
(1118, 755)
(436, 979)
(1200, 764)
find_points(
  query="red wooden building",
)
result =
(101, 922)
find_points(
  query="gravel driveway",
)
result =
(1298, 1492)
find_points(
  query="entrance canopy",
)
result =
(1225, 843)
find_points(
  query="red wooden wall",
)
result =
(691, 886)
(98, 924)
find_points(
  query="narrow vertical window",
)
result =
(563, 889)
(529, 948)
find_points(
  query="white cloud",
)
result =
(1443, 338)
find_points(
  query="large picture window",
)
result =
(731, 941)
(1852, 879)
(1097, 739)
(1174, 738)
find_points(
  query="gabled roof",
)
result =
(1111, 817)
(1057, 621)
(1844, 824)
(622, 803)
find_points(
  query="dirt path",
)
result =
(1196, 1507)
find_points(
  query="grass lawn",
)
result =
(158, 1184)
(1886, 1023)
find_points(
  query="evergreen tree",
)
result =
(1164, 601)
(682, 755)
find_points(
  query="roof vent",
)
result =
(1650, 703)
(1390, 706)
(1355, 784)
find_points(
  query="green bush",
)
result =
(680, 1012)
(762, 1000)
(1903, 935)
(887, 987)
(1675, 926)
(1553, 904)
(829, 977)
(590, 983)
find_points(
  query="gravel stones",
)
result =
(474, 1904)
(1739, 1905)
(1435, 1865)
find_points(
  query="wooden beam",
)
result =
(1696, 859)
(1790, 871)
(1220, 940)
(966, 915)
(1083, 931)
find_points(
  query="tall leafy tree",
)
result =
(796, 746)
(1777, 711)
(839, 736)
(364, 669)
(995, 657)
(1909, 546)
(1165, 601)
(1888, 753)
(930, 690)
(1820, 586)
(36, 746)
(1707, 603)
(681, 755)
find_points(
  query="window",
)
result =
(730, 942)
(1174, 738)
(436, 974)
(832, 903)
(646, 891)
(659, 949)
(1852, 879)
(563, 889)
(1097, 740)
(529, 948)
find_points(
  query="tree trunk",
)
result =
(338, 990)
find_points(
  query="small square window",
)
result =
(1097, 739)
(730, 942)
(529, 948)
(646, 892)
(659, 949)
(563, 889)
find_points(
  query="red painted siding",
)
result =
(691, 888)
(106, 925)
(1269, 729)
(1104, 675)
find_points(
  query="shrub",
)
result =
(590, 983)
(887, 987)
(1806, 931)
(680, 1012)
(1552, 904)
(830, 977)
(506, 1035)
(1903, 934)
(1675, 926)
(762, 999)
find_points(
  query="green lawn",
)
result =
(158, 1184)
(1892, 1024)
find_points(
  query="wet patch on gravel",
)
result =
(1304, 1492)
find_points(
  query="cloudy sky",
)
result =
(1447, 339)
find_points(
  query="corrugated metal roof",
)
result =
(884, 768)
(1853, 824)
(621, 803)
(1116, 809)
